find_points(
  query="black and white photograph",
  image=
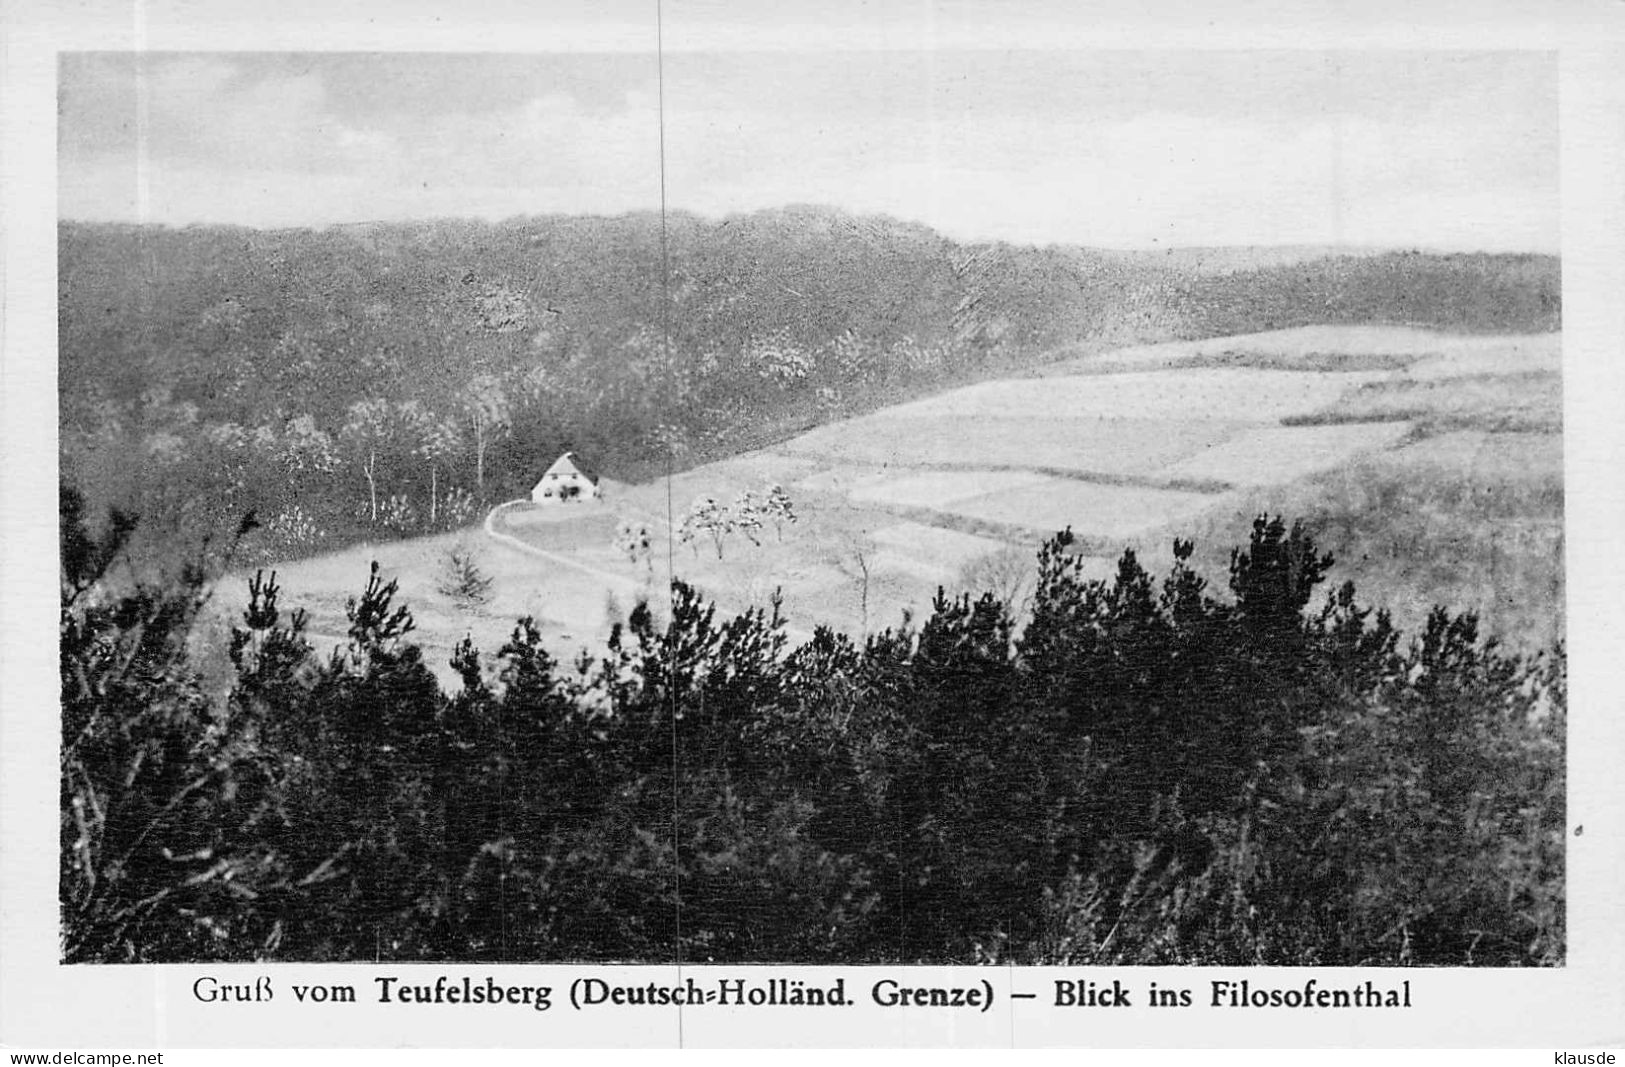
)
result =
(862, 504)
(1002, 508)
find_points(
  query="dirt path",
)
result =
(619, 581)
(628, 585)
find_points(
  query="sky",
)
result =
(1146, 149)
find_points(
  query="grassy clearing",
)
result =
(939, 547)
(1511, 403)
(571, 606)
(840, 557)
(561, 527)
(1112, 447)
(1528, 459)
(724, 479)
(844, 481)
(1203, 393)
(854, 534)
(1108, 511)
(1278, 454)
(1515, 355)
(1304, 343)
(1309, 363)
(937, 488)
(957, 491)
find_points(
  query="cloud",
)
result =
(549, 147)
(1161, 177)
(221, 138)
(212, 146)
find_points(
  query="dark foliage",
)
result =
(1147, 773)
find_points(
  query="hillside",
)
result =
(1428, 464)
(385, 380)
(882, 731)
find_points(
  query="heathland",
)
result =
(862, 656)
(1437, 496)
(926, 403)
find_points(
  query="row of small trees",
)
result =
(379, 427)
(749, 512)
(155, 453)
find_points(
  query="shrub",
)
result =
(1148, 772)
(462, 578)
(164, 790)
(458, 508)
(398, 513)
(293, 532)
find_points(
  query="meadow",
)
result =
(573, 608)
(1435, 479)
(1104, 447)
(1351, 347)
(1473, 519)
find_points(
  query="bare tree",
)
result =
(745, 514)
(706, 516)
(368, 430)
(485, 406)
(1008, 574)
(854, 555)
(686, 534)
(778, 508)
(437, 439)
(634, 540)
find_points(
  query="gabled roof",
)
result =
(569, 464)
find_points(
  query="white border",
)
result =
(45, 1005)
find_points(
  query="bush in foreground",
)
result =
(1144, 773)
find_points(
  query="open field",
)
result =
(1317, 347)
(572, 607)
(931, 553)
(1514, 355)
(1276, 454)
(1402, 498)
(565, 527)
(1306, 362)
(1243, 394)
(1509, 403)
(1472, 520)
(1430, 465)
(751, 471)
(1513, 458)
(1112, 511)
(936, 488)
(1108, 447)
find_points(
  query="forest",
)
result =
(1148, 772)
(390, 380)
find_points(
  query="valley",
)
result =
(1430, 464)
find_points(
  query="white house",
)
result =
(566, 481)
